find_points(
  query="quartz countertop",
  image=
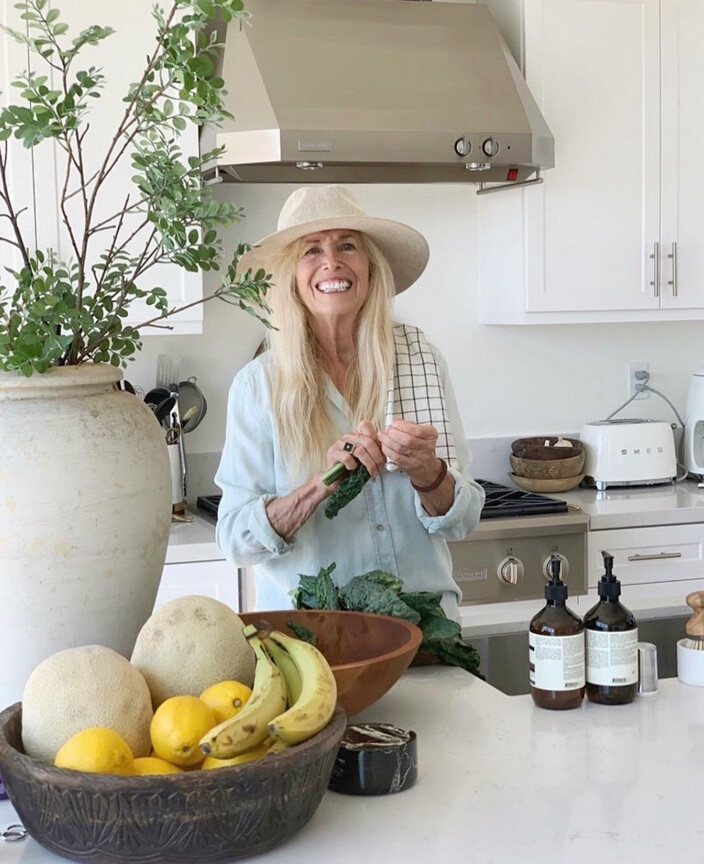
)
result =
(639, 506)
(192, 541)
(503, 781)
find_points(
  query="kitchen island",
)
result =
(503, 781)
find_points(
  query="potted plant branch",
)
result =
(85, 487)
(69, 311)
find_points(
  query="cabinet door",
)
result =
(593, 67)
(682, 136)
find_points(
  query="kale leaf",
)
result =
(347, 491)
(303, 633)
(316, 592)
(362, 594)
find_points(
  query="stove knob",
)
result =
(564, 566)
(510, 570)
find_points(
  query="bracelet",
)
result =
(438, 480)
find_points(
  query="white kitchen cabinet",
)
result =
(621, 84)
(39, 174)
(216, 579)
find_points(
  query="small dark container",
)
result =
(375, 759)
(189, 818)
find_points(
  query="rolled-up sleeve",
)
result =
(463, 516)
(247, 478)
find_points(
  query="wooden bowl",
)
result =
(197, 817)
(547, 486)
(547, 469)
(534, 448)
(368, 653)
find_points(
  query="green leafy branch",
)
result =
(70, 310)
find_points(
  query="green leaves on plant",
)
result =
(74, 310)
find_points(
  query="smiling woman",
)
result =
(322, 395)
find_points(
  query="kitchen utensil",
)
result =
(164, 408)
(368, 653)
(191, 402)
(545, 447)
(561, 484)
(694, 425)
(547, 469)
(647, 668)
(168, 370)
(192, 817)
(695, 625)
(629, 452)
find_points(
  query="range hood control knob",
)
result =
(490, 147)
(510, 571)
(463, 147)
(564, 566)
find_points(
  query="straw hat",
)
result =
(321, 208)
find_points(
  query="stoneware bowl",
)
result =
(547, 486)
(368, 653)
(547, 469)
(534, 448)
(190, 818)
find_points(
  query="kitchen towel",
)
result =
(416, 392)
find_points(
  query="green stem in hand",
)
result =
(350, 487)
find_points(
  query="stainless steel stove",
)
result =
(507, 557)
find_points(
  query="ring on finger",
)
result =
(348, 447)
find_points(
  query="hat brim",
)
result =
(405, 249)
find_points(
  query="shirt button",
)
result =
(379, 526)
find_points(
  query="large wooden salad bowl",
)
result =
(368, 653)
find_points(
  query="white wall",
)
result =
(509, 381)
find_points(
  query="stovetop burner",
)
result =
(501, 502)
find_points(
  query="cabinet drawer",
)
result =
(672, 553)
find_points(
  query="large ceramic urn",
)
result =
(85, 512)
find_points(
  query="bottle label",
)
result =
(556, 662)
(612, 658)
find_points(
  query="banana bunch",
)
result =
(288, 672)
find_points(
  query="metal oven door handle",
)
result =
(656, 557)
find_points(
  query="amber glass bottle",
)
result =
(556, 649)
(612, 644)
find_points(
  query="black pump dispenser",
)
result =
(556, 648)
(612, 644)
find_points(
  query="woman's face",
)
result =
(332, 273)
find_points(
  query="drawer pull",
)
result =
(658, 556)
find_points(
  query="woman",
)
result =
(342, 383)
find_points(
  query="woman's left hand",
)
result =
(411, 446)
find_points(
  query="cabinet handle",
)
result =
(657, 556)
(656, 269)
(673, 281)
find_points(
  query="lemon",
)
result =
(177, 726)
(97, 749)
(155, 765)
(226, 698)
(211, 762)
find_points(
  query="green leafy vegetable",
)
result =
(382, 593)
(303, 633)
(347, 491)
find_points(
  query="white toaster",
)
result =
(628, 452)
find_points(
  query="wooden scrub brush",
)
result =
(695, 625)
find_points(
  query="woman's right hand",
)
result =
(362, 446)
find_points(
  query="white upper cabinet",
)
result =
(621, 85)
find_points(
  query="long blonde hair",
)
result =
(301, 414)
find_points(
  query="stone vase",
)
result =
(85, 513)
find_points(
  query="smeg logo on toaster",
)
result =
(636, 451)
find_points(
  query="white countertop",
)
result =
(638, 506)
(503, 781)
(192, 541)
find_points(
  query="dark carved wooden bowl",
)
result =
(368, 653)
(191, 818)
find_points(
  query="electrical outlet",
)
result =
(634, 382)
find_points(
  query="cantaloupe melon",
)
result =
(82, 687)
(189, 644)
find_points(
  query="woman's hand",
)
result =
(362, 445)
(412, 447)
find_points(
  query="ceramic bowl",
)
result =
(368, 653)
(547, 486)
(197, 817)
(534, 448)
(547, 469)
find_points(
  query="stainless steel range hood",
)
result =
(376, 91)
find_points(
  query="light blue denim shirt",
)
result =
(384, 528)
